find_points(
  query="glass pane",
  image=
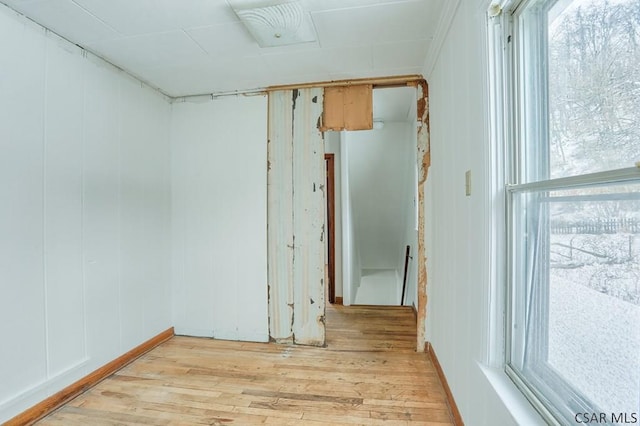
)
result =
(579, 296)
(594, 85)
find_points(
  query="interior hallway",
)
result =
(368, 374)
(378, 287)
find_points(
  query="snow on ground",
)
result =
(594, 320)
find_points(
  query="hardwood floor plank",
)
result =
(369, 374)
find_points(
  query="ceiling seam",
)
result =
(49, 31)
(95, 17)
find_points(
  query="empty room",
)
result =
(310, 212)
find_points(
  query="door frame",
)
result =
(331, 228)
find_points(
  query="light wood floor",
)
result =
(368, 374)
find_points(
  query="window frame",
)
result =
(527, 119)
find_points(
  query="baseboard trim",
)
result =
(339, 300)
(50, 404)
(455, 413)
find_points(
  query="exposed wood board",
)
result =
(391, 81)
(348, 108)
(358, 110)
(308, 218)
(424, 161)
(331, 227)
(279, 215)
(296, 217)
(333, 118)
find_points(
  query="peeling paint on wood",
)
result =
(308, 219)
(424, 162)
(279, 216)
(296, 217)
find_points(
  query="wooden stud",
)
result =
(424, 161)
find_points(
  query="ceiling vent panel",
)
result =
(276, 24)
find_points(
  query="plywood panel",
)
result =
(348, 108)
(358, 107)
(280, 219)
(308, 218)
(333, 116)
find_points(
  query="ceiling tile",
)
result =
(344, 59)
(230, 39)
(214, 76)
(134, 17)
(199, 46)
(322, 5)
(280, 80)
(324, 61)
(294, 63)
(385, 23)
(152, 50)
(400, 55)
(66, 19)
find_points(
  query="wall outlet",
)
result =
(467, 182)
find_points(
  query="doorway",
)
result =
(378, 170)
(284, 307)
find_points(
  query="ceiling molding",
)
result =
(444, 23)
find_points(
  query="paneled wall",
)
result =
(458, 239)
(84, 213)
(219, 227)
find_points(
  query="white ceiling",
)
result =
(187, 47)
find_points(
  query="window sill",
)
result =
(519, 407)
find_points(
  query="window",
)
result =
(572, 100)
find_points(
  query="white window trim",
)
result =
(505, 124)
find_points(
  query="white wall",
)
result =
(219, 228)
(350, 254)
(410, 217)
(332, 146)
(457, 235)
(84, 214)
(377, 168)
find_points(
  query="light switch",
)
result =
(467, 182)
